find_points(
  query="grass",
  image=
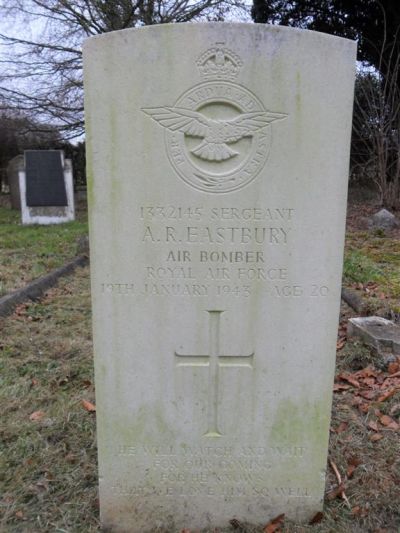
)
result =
(359, 268)
(48, 475)
(28, 252)
(372, 265)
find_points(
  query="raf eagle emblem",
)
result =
(217, 134)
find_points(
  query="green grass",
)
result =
(359, 268)
(28, 252)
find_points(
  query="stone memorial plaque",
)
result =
(218, 164)
(45, 185)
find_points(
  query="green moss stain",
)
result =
(300, 424)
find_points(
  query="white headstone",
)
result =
(218, 165)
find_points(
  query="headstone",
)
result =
(379, 333)
(45, 185)
(384, 220)
(14, 167)
(218, 165)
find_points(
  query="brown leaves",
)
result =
(316, 519)
(375, 437)
(388, 422)
(341, 427)
(340, 343)
(349, 378)
(88, 406)
(371, 385)
(275, 524)
(394, 367)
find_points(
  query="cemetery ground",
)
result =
(48, 471)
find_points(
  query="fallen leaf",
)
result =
(339, 387)
(342, 427)
(393, 367)
(354, 460)
(19, 514)
(369, 382)
(340, 343)
(395, 408)
(316, 519)
(348, 377)
(363, 407)
(375, 437)
(367, 394)
(350, 470)
(338, 491)
(388, 421)
(274, 524)
(373, 425)
(367, 372)
(185, 531)
(88, 406)
(386, 395)
(34, 381)
(36, 416)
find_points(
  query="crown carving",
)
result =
(219, 63)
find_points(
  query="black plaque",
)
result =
(45, 185)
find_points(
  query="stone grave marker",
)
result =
(218, 165)
(14, 167)
(44, 182)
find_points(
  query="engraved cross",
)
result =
(214, 360)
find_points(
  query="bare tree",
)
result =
(41, 59)
(376, 127)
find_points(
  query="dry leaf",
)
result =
(88, 406)
(350, 470)
(274, 524)
(367, 394)
(336, 492)
(395, 375)
(373, 425)
(316, 519)
(367, 372)
(36, 416)
(348, 377)
(340, 343)
(342, 427)
(385, 420)
(339, 387)
(393, 367)
(386, 395)
(395, 408)
(19, 514)
(375, 437)
(363, 407)
(388, 422)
